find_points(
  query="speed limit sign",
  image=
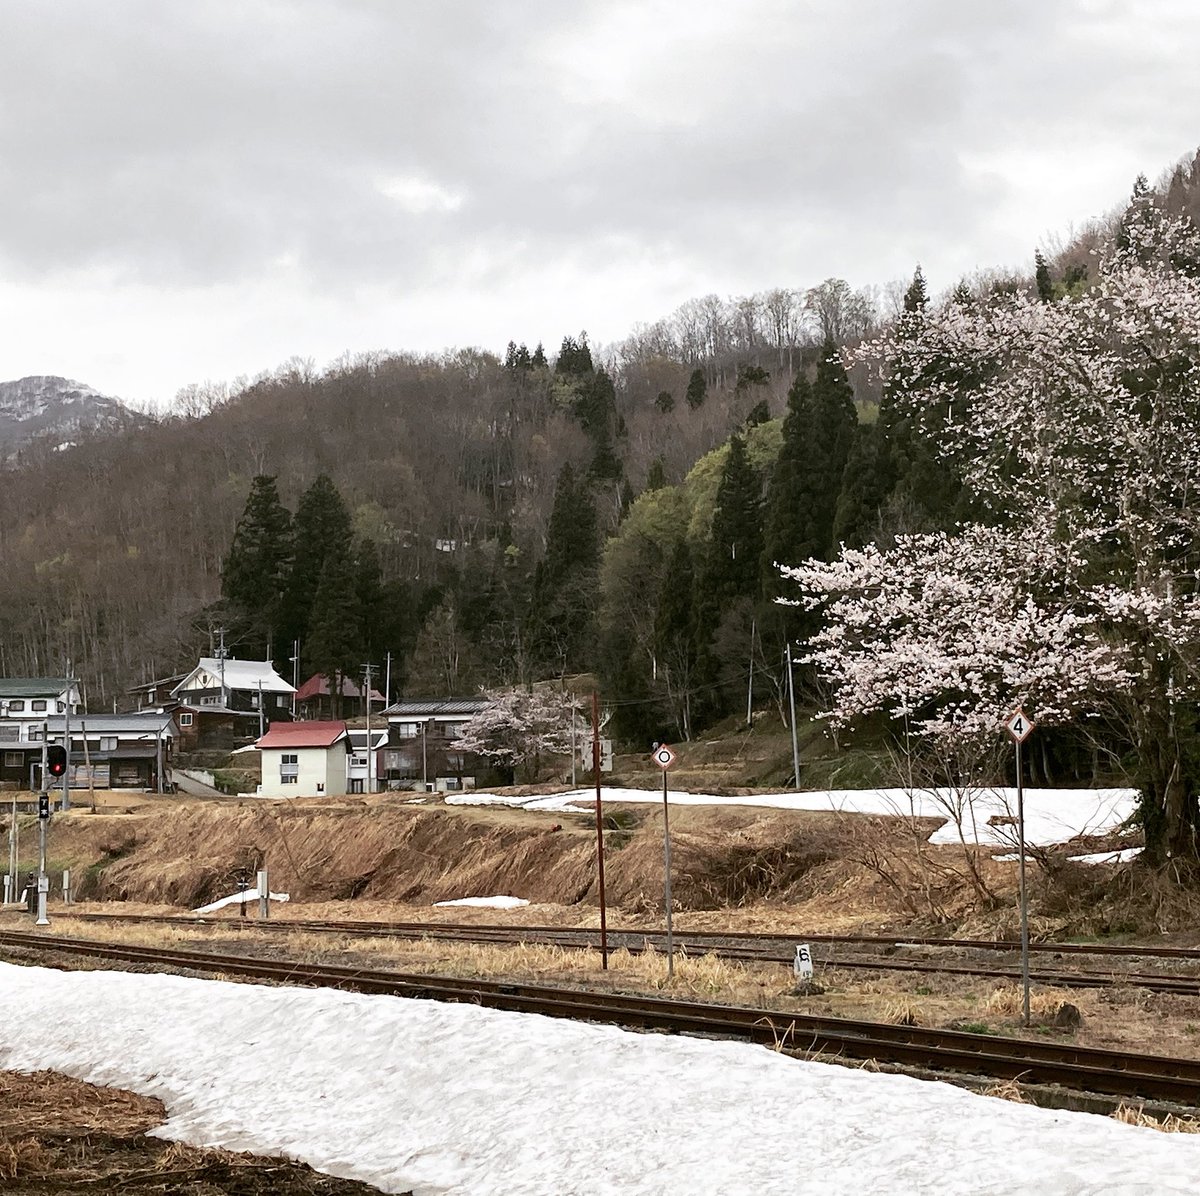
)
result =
(663, 756)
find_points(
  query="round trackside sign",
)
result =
(663, 756)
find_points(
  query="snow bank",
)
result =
(487, 902)
(1051, 815)
(1108, 857)
(454, 1099)
(247, 895)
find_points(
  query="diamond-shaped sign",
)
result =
(1020, 725)
(663, 756)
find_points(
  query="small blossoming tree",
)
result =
(519, 727)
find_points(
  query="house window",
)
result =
(14, 759)
(357, 761)
(408, 730)
(289, 767)
(16, 706)
(254, 701)
(38, 704)
(60, 706)
(185, 720)
(108, 743)
(210, 700)
(281, 700)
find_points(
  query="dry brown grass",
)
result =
(1008, 1090)
(25, 1157)
(1045, 1003)
(1170, 1124)
(707, 976)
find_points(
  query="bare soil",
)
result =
(61, 1135)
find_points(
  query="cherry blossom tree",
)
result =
(519, 727)
(1075, 427)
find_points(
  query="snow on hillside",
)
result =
(1051, 815)
(443, 1099)
(45, 405)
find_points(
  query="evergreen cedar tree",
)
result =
(258, 565)
(308, 579)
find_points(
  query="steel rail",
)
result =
(400, 929)
(764, 951)
(1113, 1073)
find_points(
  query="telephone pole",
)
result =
(368, 669)
(221, 657)
(66, 796)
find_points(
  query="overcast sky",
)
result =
(202, 189)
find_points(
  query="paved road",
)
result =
(194, 788)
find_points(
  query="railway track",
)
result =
(1112, 1073)
(758, 948)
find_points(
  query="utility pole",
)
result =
(792, 710)
(750, 681)
(295, 674)
(387, 683)
(368, 669)
(261, 729)
(221, 658)
(66, 796)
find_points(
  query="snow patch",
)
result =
(487, 902)
(237, 899)
(454, 1099)
(987, 816)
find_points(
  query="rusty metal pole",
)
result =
(599, 828)
(667, 879)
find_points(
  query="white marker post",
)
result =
(664, 758)
(1020, 725)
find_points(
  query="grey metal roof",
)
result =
(146, 722)
(439, 706)
(32, 687)
(152, 685)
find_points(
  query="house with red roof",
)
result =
(317, 699)
(306, 759)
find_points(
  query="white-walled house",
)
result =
(358, 761)
(304, 760)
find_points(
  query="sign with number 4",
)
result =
(802, 965)
(1020, 725)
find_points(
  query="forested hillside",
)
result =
(614, 510)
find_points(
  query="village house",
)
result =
(224, 701)
(315, 698)
(359, 757)
(304, 760)
(122, 751)
(421, 752)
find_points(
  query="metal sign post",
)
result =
(664, 758)
(599, 828)
(1020, 725)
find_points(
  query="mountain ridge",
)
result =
(53, 408)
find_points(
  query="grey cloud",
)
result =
(195, 144)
